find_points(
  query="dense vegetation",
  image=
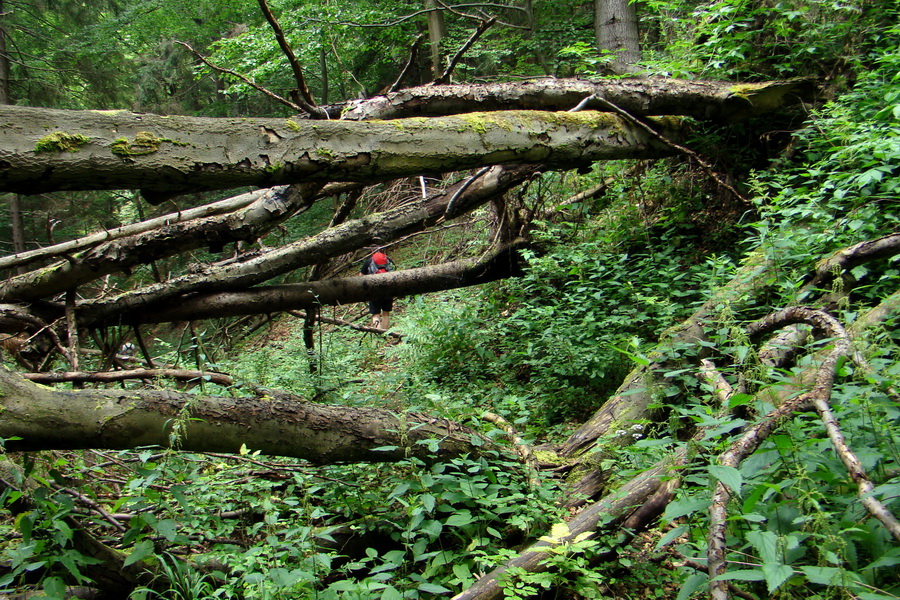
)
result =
(603, 280)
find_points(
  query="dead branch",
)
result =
(413, 53)
(208, 210)
(482, 27)
(752, 438)
(247, 80)
(522, 449)
(363, 328)
(683, 149)
(125, 375)
(303, 97)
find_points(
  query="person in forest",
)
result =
(380, 308)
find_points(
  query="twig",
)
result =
(683, 149)
(449, 7)
(140, 340)
(413, 53)
(94, 507)
(448, 212)
(254, 85)
(714, 378)
(303, 97)
(323, 319)
(482, 27)
(522, 449)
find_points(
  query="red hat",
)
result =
(380, 258)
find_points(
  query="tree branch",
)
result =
(248, 81)
(482, 27)
(304, 99)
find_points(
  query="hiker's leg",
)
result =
(375, 311)
(385, 320)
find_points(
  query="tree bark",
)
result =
(707, 100)
(277, 424)
(347, 237)
(437, 31)
(46, 150)
(247, 224)
(65, 248)
(344, 290)
(616, 30)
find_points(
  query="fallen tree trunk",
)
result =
(373, 229)
(632, 400)
(247, 224)
(498, 264)
(127, 374)
(164, 156)
(715, 100)
(276, 424)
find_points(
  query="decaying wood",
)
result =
(123, 253)
(708, 100)
(276, 424)
(127, 374)
(347, 237)
(47, 150)
(751, 439)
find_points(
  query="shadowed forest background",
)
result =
(648, 352)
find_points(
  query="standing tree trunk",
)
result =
(615, 27)
(436, 32)
(15, 204)
(4, 59)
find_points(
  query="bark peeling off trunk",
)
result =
(277, 425)
(716, 100)
(45, 150)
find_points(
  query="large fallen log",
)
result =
(45, 150)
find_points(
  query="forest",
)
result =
(644, 265)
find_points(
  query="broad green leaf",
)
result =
(141, 550)
(391, 593)
(691, 585)
(54, 588)
(685, 506)
(766, 545)
(730, 476)
(167, 528)
(670, 535)
(776, 575)
(432, 588)
(459, 519)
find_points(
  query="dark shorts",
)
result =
(380, 306)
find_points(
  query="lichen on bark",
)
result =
(60, 141)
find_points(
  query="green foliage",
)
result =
(767, 40)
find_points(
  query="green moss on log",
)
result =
(144, 143)
(60, 141)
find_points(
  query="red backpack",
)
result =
(380, 263)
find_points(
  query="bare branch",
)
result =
(752, 438)
(482, 27)
(207, 210)
(683, 149)
(303, 98)
(253, 84)
(413, 53)
(125, 375)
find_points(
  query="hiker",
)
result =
(380, 309)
